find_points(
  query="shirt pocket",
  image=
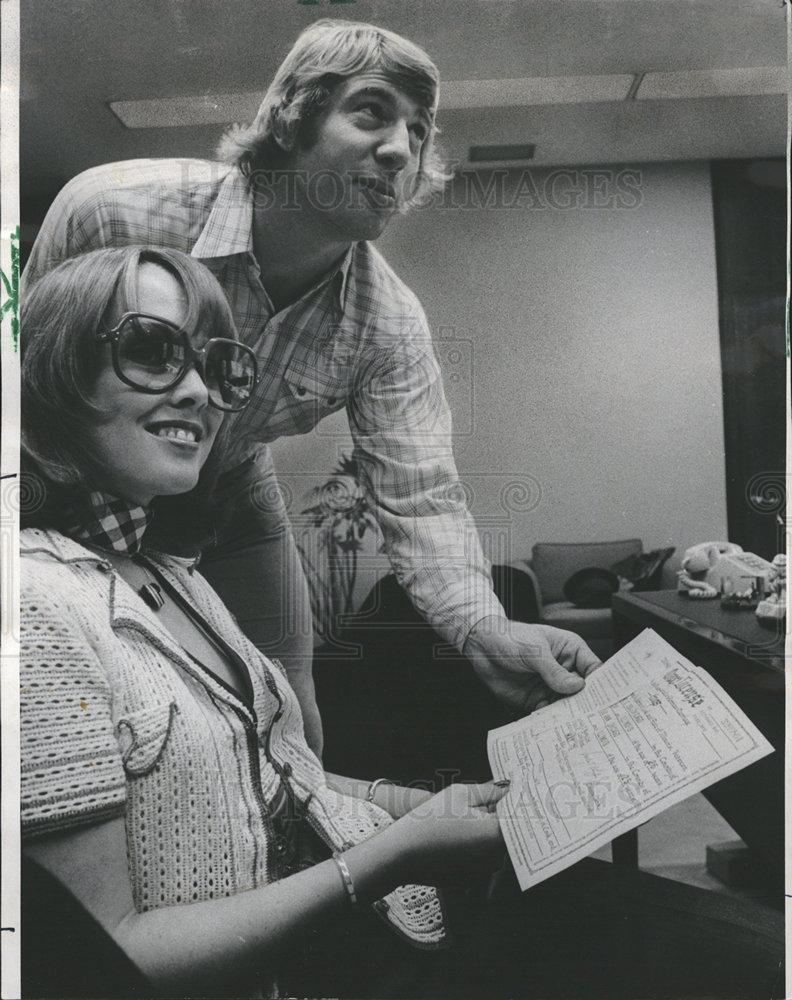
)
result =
(309, 395)
(143, 735)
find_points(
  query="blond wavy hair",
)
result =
(326, 53)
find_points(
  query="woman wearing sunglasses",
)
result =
(166, 781)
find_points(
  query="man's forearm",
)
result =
(439, 562)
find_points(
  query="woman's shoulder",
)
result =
(51, 542)
(51, 562)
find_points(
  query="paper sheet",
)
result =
(648, 730)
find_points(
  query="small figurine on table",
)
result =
(773, 607)
(690, 578)
(723, 568)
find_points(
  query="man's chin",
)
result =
(377, 227)
(375, 220)
(365, 226)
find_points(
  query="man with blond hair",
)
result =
(344, 139)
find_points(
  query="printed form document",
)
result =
(648, 730)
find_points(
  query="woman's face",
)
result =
(153, 445)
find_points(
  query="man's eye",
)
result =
(373, 109)
(420, 132)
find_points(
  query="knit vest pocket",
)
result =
(143, 735)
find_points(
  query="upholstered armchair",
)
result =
(552, 564)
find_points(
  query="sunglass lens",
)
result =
(150, 353)
(230, 375)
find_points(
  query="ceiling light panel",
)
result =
(169, 112)
(752, 81)
(456, 94)
(222, 109)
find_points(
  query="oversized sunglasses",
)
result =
(153, 355)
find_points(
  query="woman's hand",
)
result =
(215, 945)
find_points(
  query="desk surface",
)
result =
(748, 661)
(736, 630)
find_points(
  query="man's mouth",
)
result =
(182, 431)
(381, 193)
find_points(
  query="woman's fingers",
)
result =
(488, 793)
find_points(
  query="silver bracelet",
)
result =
(346, 878)
(374, 785)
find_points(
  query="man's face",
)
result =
(357, 161)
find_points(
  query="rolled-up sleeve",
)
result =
(402, 429)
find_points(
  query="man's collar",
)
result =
(338, 277)
(343, 281)
(229, 230)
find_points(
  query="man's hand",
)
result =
(525, 665)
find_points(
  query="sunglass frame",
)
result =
(192, 357)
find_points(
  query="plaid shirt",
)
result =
(358, 339)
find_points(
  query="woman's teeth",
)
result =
(178, 433)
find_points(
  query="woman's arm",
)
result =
(214, 946)
(225, 944)
(394, 799)
(218, 946)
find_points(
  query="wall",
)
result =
(576, 321)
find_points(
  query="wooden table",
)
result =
(748, 661)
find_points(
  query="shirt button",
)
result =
(332, 400)
(300, 390)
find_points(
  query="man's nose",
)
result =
(394, 149)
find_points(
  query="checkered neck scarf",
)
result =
(112, 524)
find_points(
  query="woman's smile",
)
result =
(180, 432)
(153, 444)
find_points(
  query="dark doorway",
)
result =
(749, 200)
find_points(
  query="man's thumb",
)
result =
(556, 678)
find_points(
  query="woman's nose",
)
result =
(191, 389)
